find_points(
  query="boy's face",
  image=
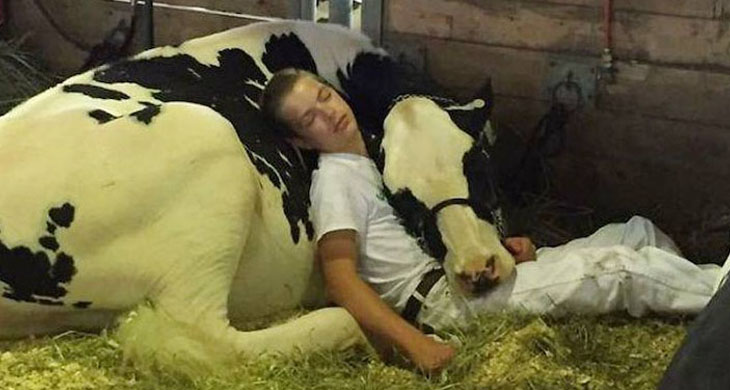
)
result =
(321, 119)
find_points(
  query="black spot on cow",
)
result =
(373, 82)
(50, 227)
(49, 242)
(481, 178)
(419, 222)
(287, 51)
(102, 116)
(95, 92)
(146, 114)
(82, 304)
(31, 276)
(230, 88)
(62, 216)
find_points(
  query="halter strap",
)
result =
(497, 218)
(448, 202)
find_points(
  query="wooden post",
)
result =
(372, 19)
(341, 12)
(303, 9)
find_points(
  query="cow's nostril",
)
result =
(490, 263)
(484, 285)
(486, 280)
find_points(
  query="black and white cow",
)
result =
(154, 184)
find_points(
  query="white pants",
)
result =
(632, 266)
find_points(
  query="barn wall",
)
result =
(88, 21)
(657, 140)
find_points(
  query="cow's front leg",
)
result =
(196, 341)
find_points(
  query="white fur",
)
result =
(172, 213)
(421, 137)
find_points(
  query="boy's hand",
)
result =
(521, 248)
(431, 356)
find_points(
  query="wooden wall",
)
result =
(657, 141)
(88, 21)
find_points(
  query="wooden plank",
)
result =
(372, 20)
(637, 139)
(641, 139)
(566, 28)
(275, 8)
(171, 27)
(46, 43)
(620, 165)
(649, 162)
(689, 8)
(681, 94)
(682, 201)
(653, 90)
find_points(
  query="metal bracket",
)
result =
(571, 80)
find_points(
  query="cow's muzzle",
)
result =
(479, 282)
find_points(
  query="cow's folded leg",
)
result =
(204, 343)
(330, 328)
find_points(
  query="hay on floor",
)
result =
(21, 75)
(503, 351)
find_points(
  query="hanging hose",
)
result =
(608, 23)
(607, 70)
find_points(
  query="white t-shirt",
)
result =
(347, 193)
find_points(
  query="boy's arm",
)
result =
(338, 255)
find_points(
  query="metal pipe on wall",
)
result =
(203, 10)
(372, 18)
(148, 24)
(307, 9)
(341, 12)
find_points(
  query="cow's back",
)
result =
(155, 179)
(88, 212)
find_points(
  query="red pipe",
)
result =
(608, 23)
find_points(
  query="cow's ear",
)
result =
(486, 93)
(481, 116)
(472, 120)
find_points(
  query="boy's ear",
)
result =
(299, 143)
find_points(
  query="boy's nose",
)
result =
(331, 113)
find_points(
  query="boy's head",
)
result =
(307, 111)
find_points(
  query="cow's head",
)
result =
(438, 174)
(434, 156)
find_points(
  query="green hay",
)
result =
(21, 76)
(500, 352)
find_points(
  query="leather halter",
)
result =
(448, 202)
(497, 218)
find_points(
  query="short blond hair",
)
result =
(273, 95)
